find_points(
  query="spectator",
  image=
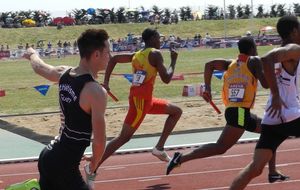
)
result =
(59, 44)
(49, 45)
(248, 33)
(207, 39)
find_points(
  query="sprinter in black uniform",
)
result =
(82, 103)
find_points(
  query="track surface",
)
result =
(142, 171)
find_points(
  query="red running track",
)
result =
(142, 171)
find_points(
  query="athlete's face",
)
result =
(298, 34)
(156, 41)
(101, 58)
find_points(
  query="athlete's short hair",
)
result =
(91, 40)
(148, 33)
(286, 25)
(246, 44)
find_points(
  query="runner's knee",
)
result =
(124, 138)
(177, 111)
(255, 169)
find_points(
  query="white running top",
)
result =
(288, 90)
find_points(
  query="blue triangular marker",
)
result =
(128, 77)
(218, 74)
(43, 89)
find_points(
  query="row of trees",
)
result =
(244, 12)
(15, 19)
(122, 15)
(154, 15)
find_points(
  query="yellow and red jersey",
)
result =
(239, 88)
(144, 75)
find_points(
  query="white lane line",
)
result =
(18, 174)
(254, 185)
(122, 166)
(151, 179)
(137, 164)
(114, 168)
(179, 174)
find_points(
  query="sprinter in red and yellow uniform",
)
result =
(145, 63)
(238, 94)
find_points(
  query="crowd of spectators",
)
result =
(132, 42)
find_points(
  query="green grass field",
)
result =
(18, 79)
(183, 29)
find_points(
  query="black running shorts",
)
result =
(241, 118)
(273, 135)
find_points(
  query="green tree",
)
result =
(189, 13)
(211, 12)
(156, 10)
(273, 12)
(166, 16)
(112, 15)
(232, 11)
(247, 11)
(260, 11)
(281, 10)
(239, 10)
(80, 16)
(296, 9)
(121, 15)
(182, 13)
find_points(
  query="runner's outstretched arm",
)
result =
(43, 69)
(121, 58)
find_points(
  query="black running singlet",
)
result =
(76, 126)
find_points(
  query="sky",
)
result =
(60, 7)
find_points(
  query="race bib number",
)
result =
(138, 78)
(236, 92)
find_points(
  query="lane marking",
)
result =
(114, 168)
(151, 179)
(254, 185)
(179, 174)
(18, 174)
(123, 166)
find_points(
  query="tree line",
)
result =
(138, 15)
(245, 12)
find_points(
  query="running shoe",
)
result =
(161, 154)
(277, 177)
(174, 162)
(90, 177)
(31, 184)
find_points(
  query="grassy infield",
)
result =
(18, 79)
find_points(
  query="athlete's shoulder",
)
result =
(255, 61)
(155, 52)
(94, 89)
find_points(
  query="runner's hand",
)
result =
(207, 95)
(86, 158)
(275, 107)
(104, 85)
(173, 53)
(28, 53)
(90, 176)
